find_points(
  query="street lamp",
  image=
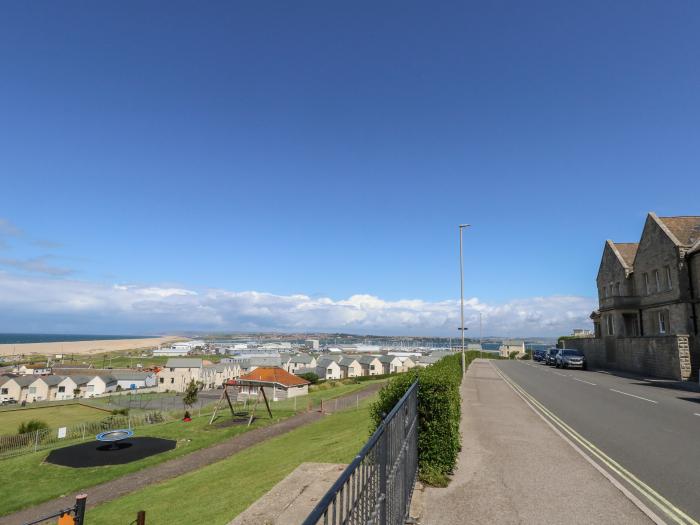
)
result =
(461, 292)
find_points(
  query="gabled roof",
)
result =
(686, 229)
(81, 380)
(347, 361)
(301, 358)
(325, 361)
(271, 375)
(52, 380)
(626, 252)
(387, 358)
(183, 363)
(126, 375)
(367, 359)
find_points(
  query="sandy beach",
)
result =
(84, 347)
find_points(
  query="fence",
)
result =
(77, 512)
(340, 403)
(14, 445)
(376, 488)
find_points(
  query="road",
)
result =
(644, 434)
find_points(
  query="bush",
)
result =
(310, 377)
(31, 426)
(439, 414)
(120, 412)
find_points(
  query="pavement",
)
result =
(515, 467)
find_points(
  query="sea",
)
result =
(61, 338)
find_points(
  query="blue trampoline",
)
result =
(114, 436)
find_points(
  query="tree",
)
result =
(190, 397)
(311, 377)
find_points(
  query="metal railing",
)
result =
(376, 488)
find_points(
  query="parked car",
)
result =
(550, 356)
(570, 359)
(538, 355)
(7, 401)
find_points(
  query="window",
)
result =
(61, 389)
(329, 371)
(32, 390)
(617, 289)
(172, 380)
(611, 290)
(646, 284)
(663, 328)
(91, 388)
(4, 391)
(669, 285)
(658, 280)
(604, 292)
(609, 325)
(162, 380)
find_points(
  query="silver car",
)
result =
(570, 359)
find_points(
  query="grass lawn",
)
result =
(230, 486)
(34, 481)
(54, 416)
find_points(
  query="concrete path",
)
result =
(514, 468)
(124, 485)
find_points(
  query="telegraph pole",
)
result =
(461, 293)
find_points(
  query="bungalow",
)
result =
(277, 383)
(349, 367)
(371, 365)
(391, 364)
(17, 387)
(133, 380)
(178, 373)
(33, 370)
(407, 363)
(328, 368)
(297, 362)
(64, 389)
(98, 385)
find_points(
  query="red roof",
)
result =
(272, 374)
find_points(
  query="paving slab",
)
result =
(513, 468)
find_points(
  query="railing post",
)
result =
(36, 441)
(383, 461)
(141, 517)
(80, 501)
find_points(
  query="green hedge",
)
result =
(439, 414)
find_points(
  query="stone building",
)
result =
(648, 294)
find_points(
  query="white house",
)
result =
(297, 362)
(177, 374)
(36, 370)
(327, 368)
(371, 365)
(508, 347)
(349, 367)
(133, 380)
(213, 376)
(391, 364)
(407, 363)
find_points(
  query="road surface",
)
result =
(643, 433)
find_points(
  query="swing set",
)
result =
(244, 411)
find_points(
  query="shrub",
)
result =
(120, 412)
(31, 426)
(439, 414)
(310, 377)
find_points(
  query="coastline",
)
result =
(84, 347)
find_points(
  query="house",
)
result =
(64, 389)
(508, 347)
(371, 365)
(391, 364)
(277, 383)
(17, 387)
(177, 374)
(35, 369)
(349, 367)
(648, 302)
(214, 376)
(250, 361)
(407, 363)
(428, 360)
(133, 379)
(299, 361)
(328, 368)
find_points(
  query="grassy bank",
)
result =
(233, 484)
(34, 481)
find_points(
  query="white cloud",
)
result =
(50, 304)
(39, 264)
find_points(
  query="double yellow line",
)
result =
(666, 507)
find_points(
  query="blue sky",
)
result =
(329, 151)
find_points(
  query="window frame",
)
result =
(663, 325)
(646, 284)
(657, 279)
(669, 282)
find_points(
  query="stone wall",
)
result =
(666, 357)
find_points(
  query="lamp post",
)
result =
(461, 292)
